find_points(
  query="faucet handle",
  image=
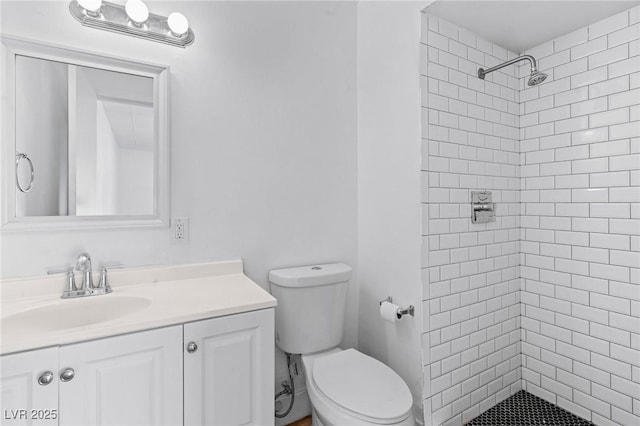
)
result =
(71, 277)
(63, 270)
(114, 265)
(104, 282)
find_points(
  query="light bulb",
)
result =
(92, 7)
(178, 24)
(137, 11)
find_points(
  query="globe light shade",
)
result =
(137, 11)
(178, 24)
(92, 7)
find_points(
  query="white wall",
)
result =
(135, 180)
(389, 184)
(472, 279)
(581, 222)
(107, 168)
(263, 138)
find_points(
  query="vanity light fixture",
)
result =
(178, 24)
(133, 19)
(91, 7)
(137, 11)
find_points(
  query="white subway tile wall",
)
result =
(582, 281)
(471, 291)
(547, 298)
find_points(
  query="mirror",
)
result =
(89, 138)
(92, 149)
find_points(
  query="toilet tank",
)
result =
(311, 306)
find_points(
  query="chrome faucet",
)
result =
(83, 264)
(86, 287)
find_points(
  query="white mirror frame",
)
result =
(13, 46)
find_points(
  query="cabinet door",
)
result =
(23, 399)
(228, 380)
(133, 379)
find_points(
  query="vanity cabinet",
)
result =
(131, 379)
(229, 370)
(222, 368)
(29, 388)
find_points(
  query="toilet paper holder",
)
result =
(409, 310)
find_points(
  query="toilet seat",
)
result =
(362, 386)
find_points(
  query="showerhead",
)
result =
(536, 78)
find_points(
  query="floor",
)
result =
(524, 409)
(302, 422)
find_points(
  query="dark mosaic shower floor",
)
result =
(524, 409)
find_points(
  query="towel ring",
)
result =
(19, 157)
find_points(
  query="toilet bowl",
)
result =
(346, 387)
(350, 388)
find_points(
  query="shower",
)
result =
(535, 78)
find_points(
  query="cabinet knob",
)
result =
(192, 347)
(45, 378)
(67, 374)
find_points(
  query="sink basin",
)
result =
(74, 313)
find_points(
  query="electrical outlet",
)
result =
(180, 229)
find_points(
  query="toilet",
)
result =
(346, 387)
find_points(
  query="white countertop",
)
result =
(163, 296)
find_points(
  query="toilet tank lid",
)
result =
(309, 276)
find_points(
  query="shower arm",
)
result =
(534, 66)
